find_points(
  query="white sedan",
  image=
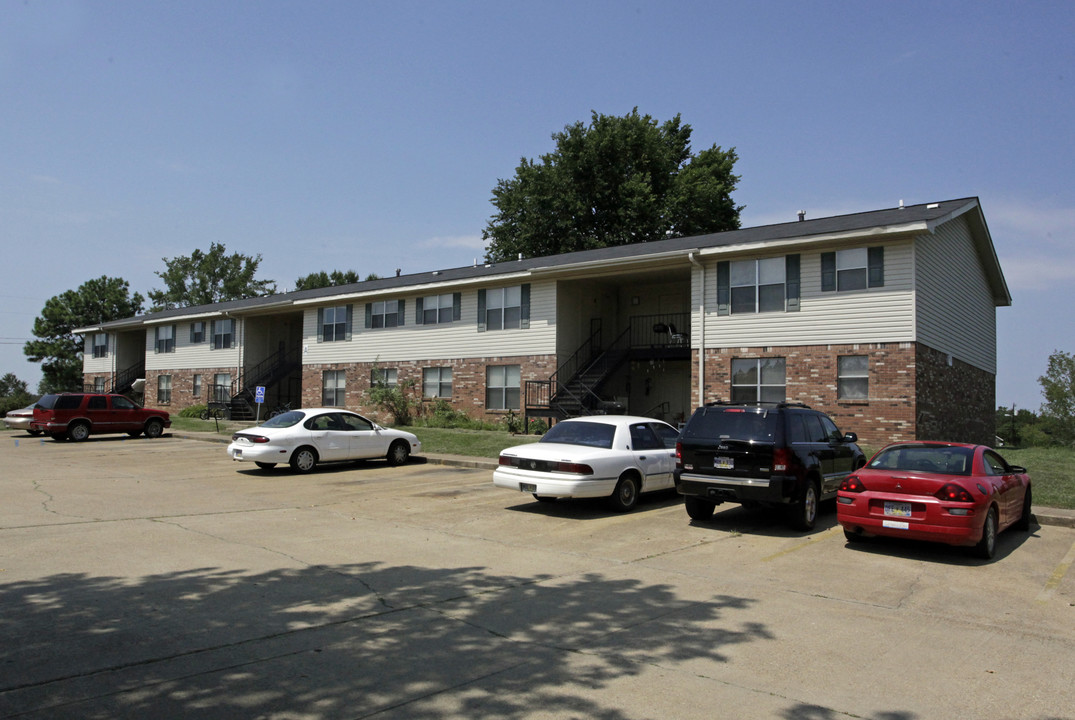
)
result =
(304, 438)
(613, 456)
(20, 420)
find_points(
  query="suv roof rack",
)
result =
(760, 403)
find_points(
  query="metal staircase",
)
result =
(269, 373)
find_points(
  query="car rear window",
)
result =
(927, 459)
(758, 425)
(283, 420)
(590, 434)
(68, 402)
(47, 402)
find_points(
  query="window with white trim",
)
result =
(165, 338)
(852, 377)
(385, 377)
(100, 345)
(502, 384)
(758, 380)
(221, 387)
(99, 384)
(437, 309)
(853, 269)
(164, 389)
(385, 314)
(757, 285)
(437, 382)
(333, 388)
(196, 386)
(334, 323)
(503, 308)
(223, 332)
(197, 332)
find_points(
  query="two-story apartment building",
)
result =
(884, 319)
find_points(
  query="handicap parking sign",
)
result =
(259, 394)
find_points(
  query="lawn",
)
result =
(1052, 474)
(472, 443)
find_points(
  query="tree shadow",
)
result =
(349, 640)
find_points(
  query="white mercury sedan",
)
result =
(304, 438)
(613, 456)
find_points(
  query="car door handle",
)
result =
(641, 457)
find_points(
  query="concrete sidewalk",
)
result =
(1044, 516)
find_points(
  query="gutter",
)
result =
(701, 329)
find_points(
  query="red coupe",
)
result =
(951, 493)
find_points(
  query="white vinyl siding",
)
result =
(193, 357)
(884, 314)
(956, 313)
(90, 364)
(459, 339)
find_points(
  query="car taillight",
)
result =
(953, 493)
(679, 451)
(852, 483)
(574, 468)
(780, 460)
(506, 460)
(251, 438)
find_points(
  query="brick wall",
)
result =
(183, 386)
(956, 401)
(468, 381)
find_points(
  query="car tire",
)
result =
(987, 546)
(544, 498)
(699, 508)
(854, 537)
(78, 432)
(1023, 523)
(265, 465)
(805, 510)
(154, 428)
(399, 452)
(625, 497)
(304, 460)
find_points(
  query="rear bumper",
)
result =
(550, 485)
(934, 524)
(774, 489)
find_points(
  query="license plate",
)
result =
(724, 463)
(528, 487)
(237, 454)
(898, 509)
(895, 524)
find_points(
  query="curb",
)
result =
(1058, 517)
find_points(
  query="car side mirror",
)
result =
(850, 437)
(1017, 469)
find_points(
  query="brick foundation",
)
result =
(183, 387)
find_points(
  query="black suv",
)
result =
(773, 454)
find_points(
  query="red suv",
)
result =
(79, 415)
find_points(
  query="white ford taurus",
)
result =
(304, 438)
(613, 456)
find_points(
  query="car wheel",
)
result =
(805, 511)
(265, 465)
(699, 509)
(544, 498)
(78, 431)
(987, 546)
(154, 429)
(304, 460)
(1023, 523)
(625, 496)
(398, 452)
(854, 537)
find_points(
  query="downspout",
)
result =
(701, 329)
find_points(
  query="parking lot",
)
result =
(159, 579)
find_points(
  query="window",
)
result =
(121, 403)
(99, 384)
(437, 382)
(761, 379)
(334, 324)
(221, 387)
(436, 309)
(753, 286)
(333, 384)
(502, 387)
(385, 314)
(853, 269)
(164, 339)
(197, 386)
(164, 389)
(643, 438)
(386, 377)
(504, 308)
(197, 332)
(100, 345)
(852, 377)
(223, 330)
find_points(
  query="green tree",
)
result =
(203, 278)
(57, 348)
(617, 181)
(1058, 388)
(323, 279)
(14, 393)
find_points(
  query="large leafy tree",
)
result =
(616, 181)
(203, 278)
(323, 279)
(57, 348)
(1058, 388)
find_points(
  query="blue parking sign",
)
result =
(259, 394)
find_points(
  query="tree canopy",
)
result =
(203, 278)
(617, 181)
(1058, 388)
(323, 279)
(57, 348)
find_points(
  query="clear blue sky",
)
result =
(369, 135)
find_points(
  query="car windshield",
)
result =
(590, 434)
(283, 420)
(925, 458)
(758, 425)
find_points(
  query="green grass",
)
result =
(1052, 474)
(224, 427)
(472, 443)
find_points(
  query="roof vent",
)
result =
(802, 215)
(520, 256)
(901, 203)
(398, 271)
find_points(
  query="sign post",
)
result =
(259, 398)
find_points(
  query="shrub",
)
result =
(194, 411)
(397, 400)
